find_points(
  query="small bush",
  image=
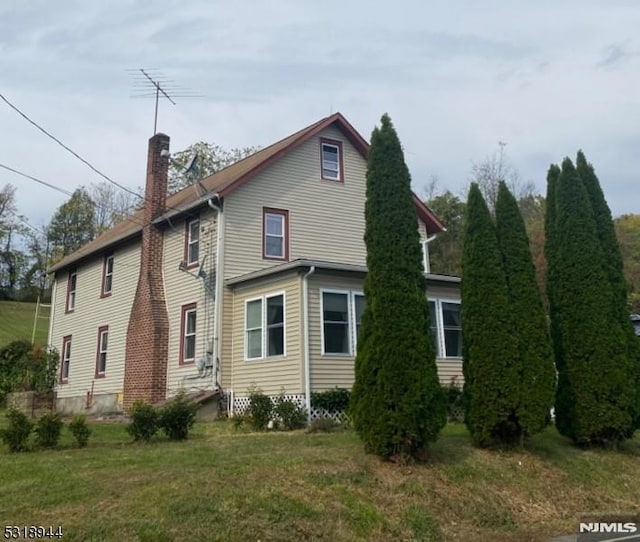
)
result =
(80, 430)
(48, 429)
(177, 417)
(290, 414)
(16, 434)
(454, 396)
(323, 424)
(260, 409)
(238, 420)
(333, 401)
(144, 421)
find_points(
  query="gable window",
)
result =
(275, 233)
(65, 359)
(71, 291)
(107, 275)
(331, 160)
(264, 327)
(188, 328)
(192, 242)
(446, 327)
(101, 354)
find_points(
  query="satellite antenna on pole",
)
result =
(150, 83)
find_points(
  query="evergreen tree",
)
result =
(595, 400)
(490, 366)
(397, 403)
(536, 369)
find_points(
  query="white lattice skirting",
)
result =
(241, 404)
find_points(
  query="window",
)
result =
(101, 355)
(188, 326)
(71, 290)
(331, 160)
(192, 242)
(275, 228)
(107, 275)
(446, 327)
(341, 318)
(65, 359)
(265, 313)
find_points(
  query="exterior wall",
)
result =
(270, 374)
(182, 288)
(326, 218)
(92, 311)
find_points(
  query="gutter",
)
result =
(217, 206)
(305, 328)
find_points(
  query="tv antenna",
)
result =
(151, 83)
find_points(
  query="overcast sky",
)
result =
(457, 77)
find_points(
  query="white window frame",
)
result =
(71, 293)
(352, 328)
(283, 222)
(192, 308)
(191, 242)
(335, 146)
(66, 358)
(108, 275)
(264, 346)
(441, 351)
(102, 351)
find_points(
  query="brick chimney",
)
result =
(147, 348)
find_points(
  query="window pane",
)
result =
(191, 322)
(254, 314)
(103, 342)
(110, 264)
(360, 305)
(275, 341)
(194, 252)
(453, 343)
(336, 338)
(451, 314)
(274, 246)
(72, 285)
(452, 329)
(254, 343)
(190, 347)
(335, 307)
(194, 231)
(107, 283)
(275, 310)
(103, 363)
(274, 224)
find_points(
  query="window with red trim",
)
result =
(71, 290)
(188, 322)
(107, 275)
(331, 164)
(275, 234)
(192, 242)
(65, 359)
(101, 354)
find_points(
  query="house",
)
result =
(252, 276)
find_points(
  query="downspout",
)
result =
(217, 207)
(52, 312)
(305, 327)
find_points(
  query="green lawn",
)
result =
(231, 485)
(16, 322)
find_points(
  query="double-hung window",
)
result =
(65, 359)
(192, 242)
(71, 290)
(101, 354)
(265, 327)
(341, 318)
(331, 159)
(107, 275)
(188, 322)
(446, 327)
(275, 234)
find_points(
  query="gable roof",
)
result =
(229, 179)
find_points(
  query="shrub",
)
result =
(290, 414)
(455, 406)
(324, 424)
(48, 430)
(24, 367)
(260, 409)
(80, 430)
(144, 421)
(17, 432)
(333, 401)
(178, 416)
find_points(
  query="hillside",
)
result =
(16, 322)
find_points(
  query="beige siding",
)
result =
(326, 218)
(227, 339)
(271, 374)
(91, 311)
(183, 288)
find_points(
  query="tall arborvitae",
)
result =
(490, 367)
(596, 390)
(537, 374)
(612, 259)
(397, 403)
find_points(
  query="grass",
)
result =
(16, 322)
(231, 485)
